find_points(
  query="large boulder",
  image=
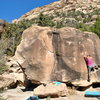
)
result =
(51, 89)
(71, 45)
(6, 82)
(36, 62)
(46, 54)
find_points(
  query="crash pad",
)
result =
(33, 97)
(92, 94)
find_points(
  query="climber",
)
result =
(90, 65)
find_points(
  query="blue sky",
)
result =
(13, 9)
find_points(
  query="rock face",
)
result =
(47, 54)
(41, 58)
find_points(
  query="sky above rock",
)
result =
(13, 9)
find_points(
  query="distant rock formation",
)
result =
(47, 54)
(80, 1)
(64, 1)
(61, 6)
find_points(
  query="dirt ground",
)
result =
(19, 93)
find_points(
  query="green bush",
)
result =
(59, 24)
(82, 26)
(71, 14)
(96, 27)
(58, 14)
(96, 12)
(13, 34)
(71, 22)
(45, 20)
(63, 14)
(3, 69)
(10, 39)
(3, 46)
(74, 14)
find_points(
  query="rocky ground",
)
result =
(19, 94)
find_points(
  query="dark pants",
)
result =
(89, 70)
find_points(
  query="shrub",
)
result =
(3, 45)
(71, 22)
(13, 34)
(59, 24)
(82, 27)
(2, 68)
(96, 27)
(74, 14)
(57, 14)
(96, 12)
(63, 14)
(71, 14)
(45, 20)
